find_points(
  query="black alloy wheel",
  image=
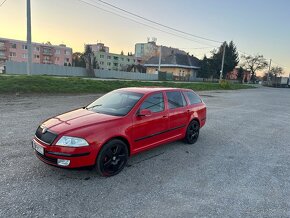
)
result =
(112, 158)
(192, 132)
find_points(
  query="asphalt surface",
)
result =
(240, 166)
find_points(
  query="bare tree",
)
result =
(254, 64)
(277, 71)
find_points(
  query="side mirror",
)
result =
(145, 113)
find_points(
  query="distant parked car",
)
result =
(121, 123)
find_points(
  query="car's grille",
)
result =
(47, 137)
(48, 159)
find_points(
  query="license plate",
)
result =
(37, 147)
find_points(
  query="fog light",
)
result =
(63, 162)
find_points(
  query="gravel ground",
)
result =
(240, 166)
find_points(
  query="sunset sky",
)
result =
(256, 27)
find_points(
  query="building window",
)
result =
(13, 45)
(109, 63)
(36, 48)
(36, 56)
(128, 60)
(12, 54)
(24, 47)
(122, 59)
(57, 51)
(116, 64)
(47, 51)
(102, 63)
(57, 59)
(116, 58)
(67, 59)
(102, 56)
(108, 57)
(67, 52)
(24, 55)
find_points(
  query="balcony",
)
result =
(47, 62)
(2, 46)
(47, 52)
(2, 57)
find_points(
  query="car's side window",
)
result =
(155, 103)
(193, 98)
(175, 99)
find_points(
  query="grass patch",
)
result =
(48, 84)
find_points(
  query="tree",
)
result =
(241, 74)
(277, 71)
(254, 64)
(205, 70)
(78, 60)
(210, 67)
(89, 59)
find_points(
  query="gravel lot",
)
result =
(240, 166)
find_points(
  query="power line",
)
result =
(104, 4)
(3, 3)
(152, 27)
(151, 21)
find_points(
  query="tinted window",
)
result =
(155, 103)
(193, 98)
(175, 100)
(117, 103)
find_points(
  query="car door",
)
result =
(177, 112)
(148, 131)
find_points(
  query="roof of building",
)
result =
(48, 44)
(174, 60)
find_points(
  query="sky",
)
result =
(255, 26)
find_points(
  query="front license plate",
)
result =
(37, 147)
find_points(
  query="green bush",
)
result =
(224, 84)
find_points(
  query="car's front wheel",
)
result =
(192, 132)
(112, 158)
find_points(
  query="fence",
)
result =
(56, 70)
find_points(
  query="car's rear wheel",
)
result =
(112, 158)
(192, 132)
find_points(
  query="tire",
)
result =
(192, 132)
(112, 158)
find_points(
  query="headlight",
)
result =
(72, 142)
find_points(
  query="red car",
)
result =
(117, 125)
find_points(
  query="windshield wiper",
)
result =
(97, 105)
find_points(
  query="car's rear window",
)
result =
(175, 99)
(193, 98)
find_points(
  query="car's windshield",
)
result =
(117, 103)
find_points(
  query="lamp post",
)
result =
(29, 49)
(159, 64)
(223, 61)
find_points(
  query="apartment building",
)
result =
(111, 61)
(16, 50)
(98, 47)
(144, 51)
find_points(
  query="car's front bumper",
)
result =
(57, 155)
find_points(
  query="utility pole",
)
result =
(223, 61)
(29, 49)
(159, 57)
(268, 75)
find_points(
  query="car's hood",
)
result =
(76, 119)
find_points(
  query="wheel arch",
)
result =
(121, 138)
